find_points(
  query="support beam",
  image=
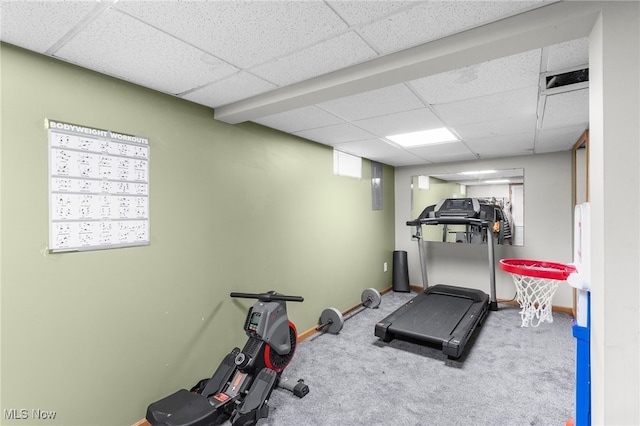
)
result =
(552, 24)
(614, 108)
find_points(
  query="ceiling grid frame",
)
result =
(240, 93)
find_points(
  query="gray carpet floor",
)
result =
(508, 375)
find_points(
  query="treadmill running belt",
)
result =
(430, 317)
(442, 315)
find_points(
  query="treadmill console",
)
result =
(459, 207)
(459, 210)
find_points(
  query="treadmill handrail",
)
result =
(449, 220)
(428, 217)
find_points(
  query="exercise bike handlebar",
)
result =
(267, 297)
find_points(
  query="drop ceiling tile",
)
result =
(559, 139)
(362, 12)
(305, 118)
(239, 86)
(243, 33)
(516, 103)
(118, 45)
(431, 20)
(336, 53)
(335, 134)
(504, 127)
(566, 109)
(401, 122)
(375, 103)
(382, 152)
(568, 55)
(500, 75)
(280, 41)
(502, 146)
(37, 25)
(444, 152)
(373, 149)
(405, 160)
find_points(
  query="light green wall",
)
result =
(98, 335)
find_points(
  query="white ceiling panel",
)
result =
(401, 158)
(401, 122)
(260, 56)
(486, 129)
(566, 109)
(568, 55)
(374, 149)
(332, 135)
(517, 103)
(236, 87)
(244, 33)
(444, 152)
(37, 25)
(562, 138)
(362, 12)
(375, 103)
(306, 118)
(502, 146)
(119, 45)
(432, 20)
(339, 52)
(500, 75)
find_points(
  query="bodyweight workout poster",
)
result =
(98, 188)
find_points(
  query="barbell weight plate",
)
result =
(371, 298)
(333, 318)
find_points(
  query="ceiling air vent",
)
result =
(554, 83)
(567, 78)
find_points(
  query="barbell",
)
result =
(331, 319)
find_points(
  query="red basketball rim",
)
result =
(537, 268)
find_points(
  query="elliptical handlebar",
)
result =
(267, 297)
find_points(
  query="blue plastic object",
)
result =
(583, 369)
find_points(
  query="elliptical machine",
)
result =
(240, 388)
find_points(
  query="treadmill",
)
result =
(445, 315)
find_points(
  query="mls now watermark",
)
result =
(24, 414)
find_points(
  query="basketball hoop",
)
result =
(536, 282)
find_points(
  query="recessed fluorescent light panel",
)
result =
(424, 137)
(495, 181)
(478, 172)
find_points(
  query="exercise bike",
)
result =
(240, 388)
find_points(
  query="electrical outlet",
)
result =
(384, 267)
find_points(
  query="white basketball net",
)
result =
(534, 296)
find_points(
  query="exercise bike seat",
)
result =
(182, 408)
